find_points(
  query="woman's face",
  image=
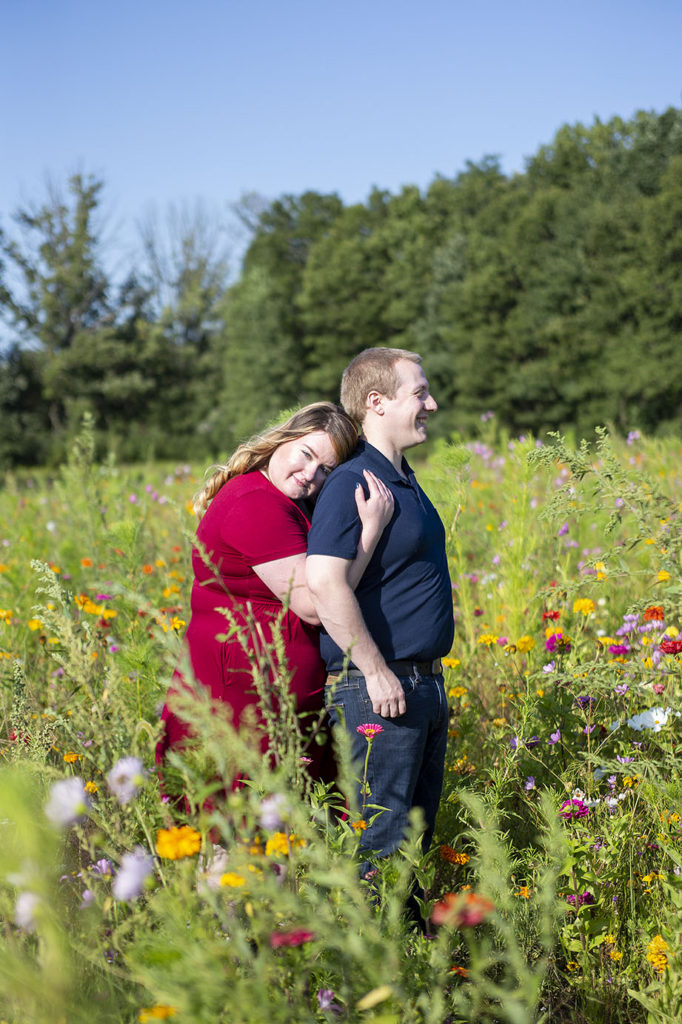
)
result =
(299, 468)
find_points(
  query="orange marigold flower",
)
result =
(524, 891)
(86, 562)
(654, 612)
(360, 825)
(452, 856)
(71, 757)
(176, 843)
(462, 971)
(148, 569)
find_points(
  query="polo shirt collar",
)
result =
(384, 466)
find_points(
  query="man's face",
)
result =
(406, 414)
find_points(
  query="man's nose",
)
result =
(430, 404)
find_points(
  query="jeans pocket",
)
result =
(408, 683)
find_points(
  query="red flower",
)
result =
(671, 646)
(550, 615)
(462, 910)
(655, 611)
(296, 938)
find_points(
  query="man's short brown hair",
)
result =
(372, 370)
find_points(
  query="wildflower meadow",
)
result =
(553, 889)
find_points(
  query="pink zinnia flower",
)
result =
(369, 730)
(296, 938)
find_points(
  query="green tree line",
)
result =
(552, 298)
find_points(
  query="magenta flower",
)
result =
(581, 899)
(574, 809)
(295, 938)
(369, 730)
(619, 649)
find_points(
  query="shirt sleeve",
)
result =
(336, 526)
(264, 526)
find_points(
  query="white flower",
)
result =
(125, 778)
(68, 802)
(577, 794)
(134, 869)
(25, 910)
(274, 810)
(654, 719)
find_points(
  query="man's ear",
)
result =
(374, 402)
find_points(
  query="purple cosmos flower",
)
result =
(529, 783)
(621, 689)
(574, 809)
(68, 802)
(554, 737)
(585, 701)
(132, 874)
(562, 530)
(125, 778)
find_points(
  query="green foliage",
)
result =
(551, 297)
(567, 824)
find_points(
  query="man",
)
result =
(383, 643)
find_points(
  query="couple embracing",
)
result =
(338, 528)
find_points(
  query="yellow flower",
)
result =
(450, 662)
(359, 825)
(488, 639)
(5, 615)
(232, 880)
(611, 939)
(176, 623)
(615, 954)
(525, 643)
(584, 605)
(572, 966)
(656, 953)
(605, 641)
(280, 844)
(71, 757)
(159, 563)
(108, 613)
(601, 571)
(524, 891)
(540, 693)
(91, 787)
(630, 781)
(457, 691)
(158, 1012)
(34, 624)
(176, 843)
(500, 722)
(662, 576)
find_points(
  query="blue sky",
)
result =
(175, 101)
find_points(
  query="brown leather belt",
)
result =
(404, 667)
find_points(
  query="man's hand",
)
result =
(386, 693)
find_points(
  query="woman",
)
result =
(250, 558)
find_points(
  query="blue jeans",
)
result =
(407, 760)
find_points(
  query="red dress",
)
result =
(249, 522)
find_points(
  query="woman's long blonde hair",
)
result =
(257, 451)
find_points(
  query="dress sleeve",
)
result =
(264, 526)
(336, 526)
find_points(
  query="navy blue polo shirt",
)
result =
(405, 594)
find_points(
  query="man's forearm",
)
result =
(342, 617)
